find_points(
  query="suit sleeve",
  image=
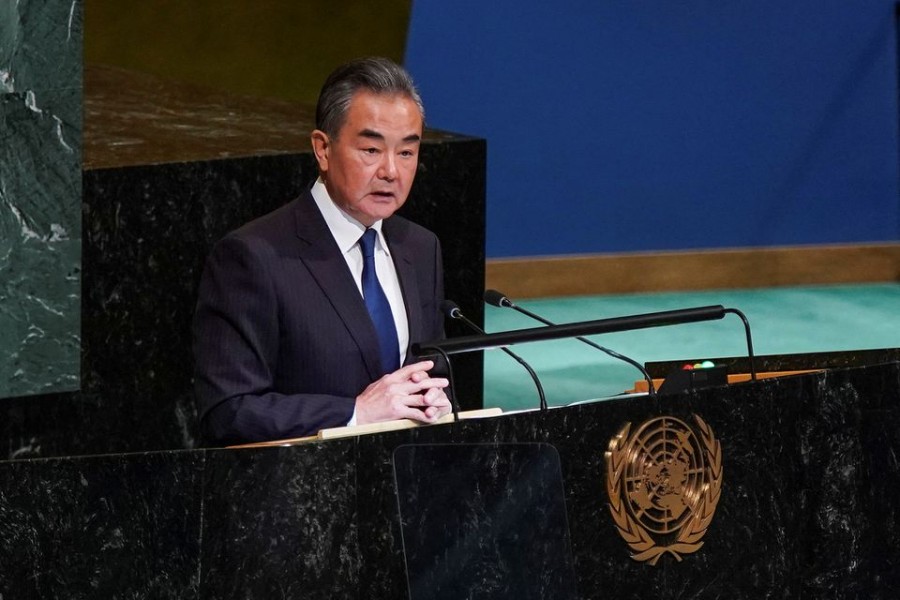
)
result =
(236, 333)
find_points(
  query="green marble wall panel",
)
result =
(40, 195)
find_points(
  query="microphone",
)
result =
(451, 310)
(495, 298)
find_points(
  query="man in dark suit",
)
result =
(305, 315)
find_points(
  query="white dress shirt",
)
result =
(347, 231)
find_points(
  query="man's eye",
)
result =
(371, 150)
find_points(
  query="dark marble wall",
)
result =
(808, 506)
(40, 196)
(169, 169)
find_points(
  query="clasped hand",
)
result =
(407, 393)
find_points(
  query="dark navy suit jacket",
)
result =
(283, 342)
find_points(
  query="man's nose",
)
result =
(388, 168)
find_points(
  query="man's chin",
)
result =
(382, 208)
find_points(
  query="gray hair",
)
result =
(375, 74)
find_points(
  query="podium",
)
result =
(806, 505)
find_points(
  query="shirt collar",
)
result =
(345, 229)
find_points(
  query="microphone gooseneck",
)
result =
(454, 405)
(495, 298)
(452, 311)
(749, 340)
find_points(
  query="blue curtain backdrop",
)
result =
(619, 126)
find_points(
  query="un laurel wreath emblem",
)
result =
(664, 482)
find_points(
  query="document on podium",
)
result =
(370, 428)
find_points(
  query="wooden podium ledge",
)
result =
(640, 387)
(343, 432)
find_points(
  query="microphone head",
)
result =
(495, 298)
(450, 309)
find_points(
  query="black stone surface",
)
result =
(288, 530)
(808, 505)
(169, 170)
(101, 527)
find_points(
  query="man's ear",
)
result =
(321, 148)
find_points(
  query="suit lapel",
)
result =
(406, 273)
(321, 255)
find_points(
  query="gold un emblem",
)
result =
(664, 482)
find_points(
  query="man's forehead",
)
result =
(365, 102)
(379, 116)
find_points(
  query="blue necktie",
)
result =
(378, 306)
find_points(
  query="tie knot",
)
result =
(367, 242)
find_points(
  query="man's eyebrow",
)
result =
(374, 135)
(369, 133)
